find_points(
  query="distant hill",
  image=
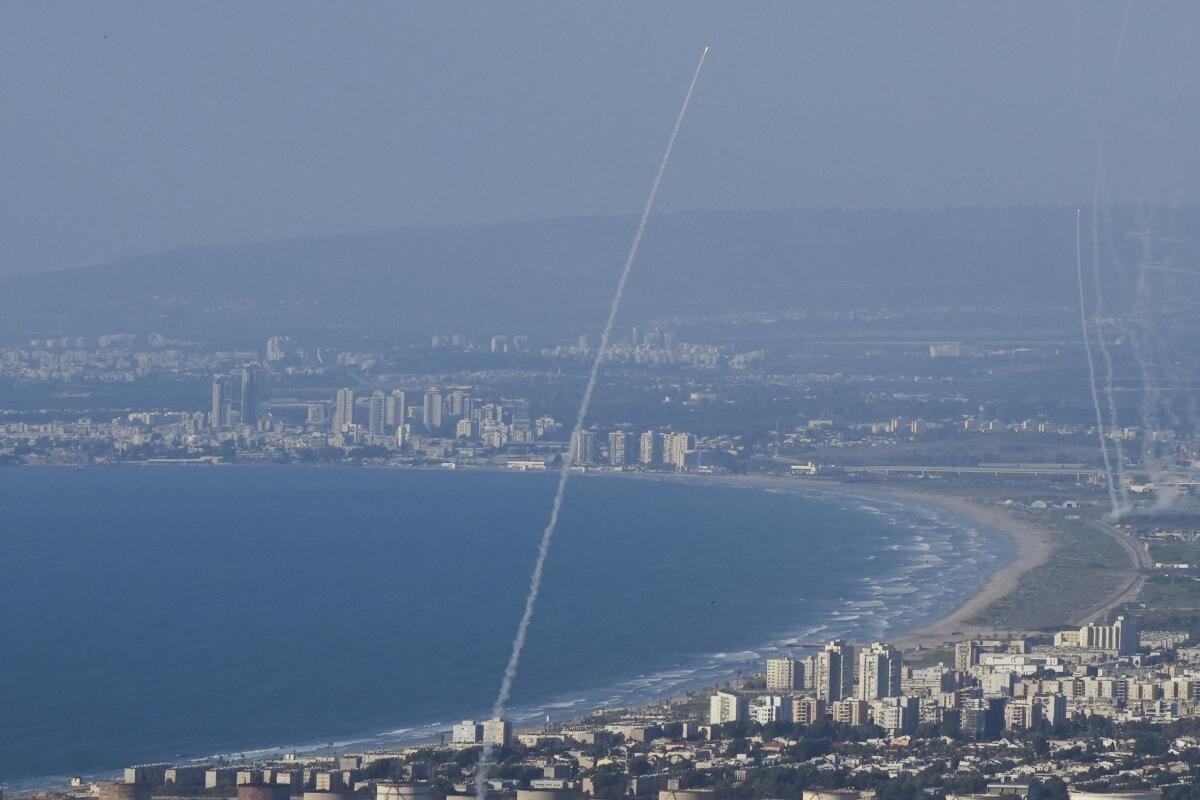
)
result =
(557, 276)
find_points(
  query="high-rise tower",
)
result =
(343, 411)
(249, 397)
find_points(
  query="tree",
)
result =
(1053, 788)
(607, 781)
(1187, 791)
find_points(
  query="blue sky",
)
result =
(136, 127)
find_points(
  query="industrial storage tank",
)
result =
(263, 791)
(392, 790)
(547, 794)
(685, 794)
(120, 790)
(318, 795)
(831, 794)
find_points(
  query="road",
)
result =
(1139, 569)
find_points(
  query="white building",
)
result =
(727, 707)
(496, 732)
(676, 446)
(878, 672)
(583, 447)
(343, 412)
(394, 411)
(467, 732)
(835, 671)
(784, 675)
(620, 444)
(649, 448)
(896, 714)
(771, 708)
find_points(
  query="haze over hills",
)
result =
(555, 278)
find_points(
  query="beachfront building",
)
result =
(727, 707)
(835, 671)
(878, 672)
(771, 708)
(784, 675)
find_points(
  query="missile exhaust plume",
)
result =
(1087, 347)
(1164, 268)
(1119, 455)
(564, 472)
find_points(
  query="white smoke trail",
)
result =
(1151, 348)
(1149, 324)
(1116, 65)
(1175, 270)
(1142, 340)
(564, 472)
(1087, 347)
(1119, 456)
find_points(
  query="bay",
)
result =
(154, 613)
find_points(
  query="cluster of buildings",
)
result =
(872, 432)
(622, 448)
(446, 427)
(313, 778)
(851, 685)
(1100, 669)
(495, 732)
(657, 348)
(260, 404)
(109, 359)
(398, 418)
(966, 721)
(499, 343)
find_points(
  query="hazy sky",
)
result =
(134, 127)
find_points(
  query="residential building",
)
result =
(393, 413)
(782, 675)
(650, 449)
(896, 715)
(343, 409)
(467, 732)
(675, 447)
(850, 712)
(620, 444)
(807, 710)
(248, 407)
(496, 732)
(835, 671)
(771, 708)
(216, 414)
(878, 672)
(583, 447)
(1022, 714)
(376, 414)
(431, 415)
(727, 707)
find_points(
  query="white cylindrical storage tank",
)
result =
(685, 794)
(390, 790)
(120, 790)
(547, 794)
(831, 794)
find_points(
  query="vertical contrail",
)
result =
(1087, 347)
(1119, 454)
(564, 472)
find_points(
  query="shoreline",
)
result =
(1031, 543)
(1030, 549)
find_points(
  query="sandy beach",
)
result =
(1032, 548)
